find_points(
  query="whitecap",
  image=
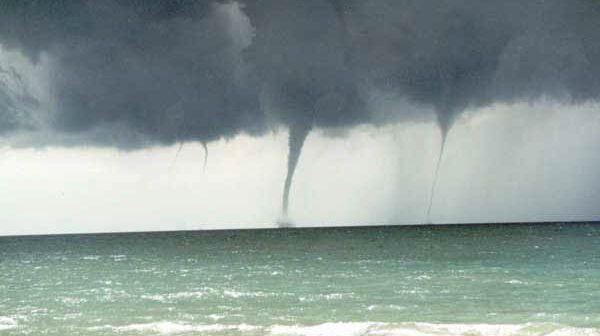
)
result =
(186, 295)
(69, 301)
(172, 297)
(429, 329)
(327, 297)
(236, 294)
(155, 297)
(216, 317)
(118, 257)
(325, 329)
(169, 327)
(7, 323)
(92, 257)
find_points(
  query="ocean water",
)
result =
(423, 280)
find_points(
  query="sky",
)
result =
(312, 113)
(496, 168)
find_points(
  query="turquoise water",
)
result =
(421, 280)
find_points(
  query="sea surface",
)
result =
(471, 280)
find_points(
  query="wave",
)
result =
(357, 329)
(167, 327)
(172, 297)
(7, 323)
(429, 329)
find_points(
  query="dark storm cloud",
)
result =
(16, 102)
(299, 55)
(168, 71)
(173, 70)
(134, 73)
(444, 55)
(452, 55)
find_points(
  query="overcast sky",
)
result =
(344, 108)
(496, 168)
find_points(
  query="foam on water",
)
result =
(428, 329)
(325, 329)
(354, 329)
(168, 327)
(7, 323)
(442, 281)
(173, 297)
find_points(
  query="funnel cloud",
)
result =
(133, 75)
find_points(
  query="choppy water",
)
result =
(448, 280)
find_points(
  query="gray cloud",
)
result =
(452, 55)
(178, 70)
(299, 55)
(139, 73)
(16, 102)
(168, 71)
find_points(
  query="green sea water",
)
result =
(412, 280)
